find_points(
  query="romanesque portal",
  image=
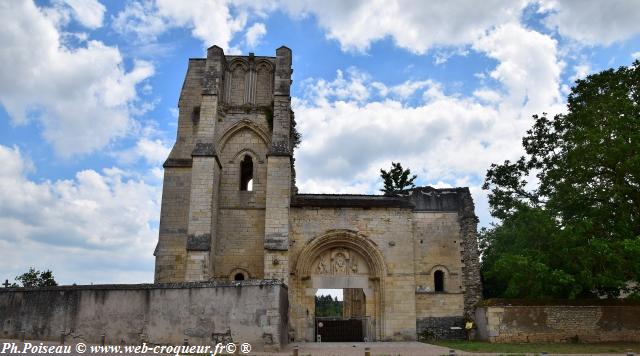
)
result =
(408, 263)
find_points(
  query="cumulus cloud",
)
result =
(152, 151)
(96, 227)
(140, 20)
(211, 21)
(88, 12)
(593, 21)
(528, 68)
(81, 96)
(353, 125)
(255, 33)
(415, 26)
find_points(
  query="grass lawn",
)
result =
(481, 346)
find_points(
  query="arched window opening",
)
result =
(438, 281)
(238, 277)
(195, 115)
(246, 174)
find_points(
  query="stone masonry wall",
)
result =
(174, 216)
(559, 323)
(203, 313)
(390, 229)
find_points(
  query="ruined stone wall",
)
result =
(558, 323)
(174, 215)
(391, 231)
(437, 248)
(241, 213)
(208, 229)
(253, 312)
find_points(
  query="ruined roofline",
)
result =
(426, 188)
(233, 56)
(349, 201)
(417, 199)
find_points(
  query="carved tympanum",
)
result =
(340, 261)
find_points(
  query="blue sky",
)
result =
(88, 93)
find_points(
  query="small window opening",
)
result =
(238, 277)
(195, 115)
(246, 174)
(438, 281)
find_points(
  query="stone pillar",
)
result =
(472, 283)
(205, 176)
(278, 197)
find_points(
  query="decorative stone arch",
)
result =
(239, 271)
(446, 280)
(346, 239)
(247, 151)
(264, 82)
(309, 276)
(236, 81)
(266, 64)
(239, 126)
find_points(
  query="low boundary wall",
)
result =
(204, 313)
(558, 323)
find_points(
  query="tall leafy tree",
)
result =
(36, 279)
(570, 207)
(396, 178)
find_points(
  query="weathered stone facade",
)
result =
(168, 314)
(559, 323)
(234, 127)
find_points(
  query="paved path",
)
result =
(304, 349)
(377, 349)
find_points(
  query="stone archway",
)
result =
(338, 259)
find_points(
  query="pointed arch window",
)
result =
(246, 174)
(438, 281)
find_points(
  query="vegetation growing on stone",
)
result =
(396, 178)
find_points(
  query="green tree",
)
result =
(36, 279)
(576, 232)
(328, 306)
(396, 178)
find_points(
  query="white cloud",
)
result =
(580, 72)
(353, 125)
(214, 22)
(635, 55)
(593, 21)
(255, 33)
(141, 20)
(88, 12)
(96, 227)
(488, 95)
(415, 26)
(528, 67)
(81, 96)
(152, 151)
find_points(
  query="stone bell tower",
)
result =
(227, 183)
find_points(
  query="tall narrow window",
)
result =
(438, 281)
(246, 174)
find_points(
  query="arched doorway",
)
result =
(339, 259)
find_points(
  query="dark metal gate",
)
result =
(332, 329)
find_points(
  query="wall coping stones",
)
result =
(208, 284)
(349, 201)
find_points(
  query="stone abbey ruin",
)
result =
(241, 254)
(231, 211)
